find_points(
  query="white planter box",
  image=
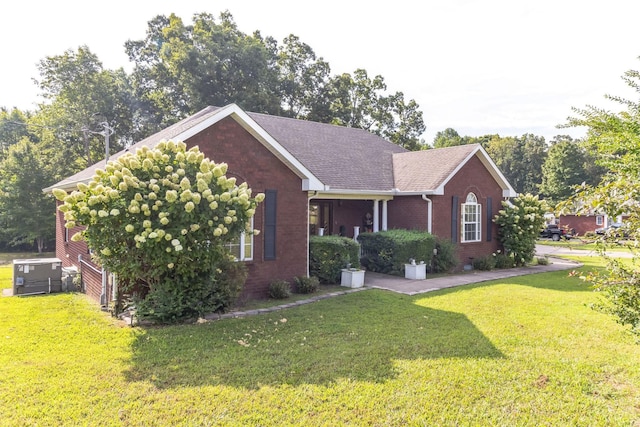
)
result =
(415, 271)
(352, 278)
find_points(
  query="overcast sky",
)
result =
(478, 66)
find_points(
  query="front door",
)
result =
(320, 217)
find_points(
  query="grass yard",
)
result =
(522, 352)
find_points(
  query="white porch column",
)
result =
(384, 215)
(376, 216)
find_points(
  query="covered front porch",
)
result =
(347, 215)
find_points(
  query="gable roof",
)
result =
(328, 158)
(429, 171)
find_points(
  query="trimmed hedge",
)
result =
(388, 251)
(328, 255)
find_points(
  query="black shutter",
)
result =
(454, 219)
(270, 224)
(489, 229)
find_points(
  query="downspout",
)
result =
(429, 212)
(315, 193)
(103, 293)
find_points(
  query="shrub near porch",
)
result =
(328, 255)
(388, 251)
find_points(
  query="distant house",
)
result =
(320, 178)
(589, 223)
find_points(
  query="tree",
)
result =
(447, 138)
(614, 139)
(520, 159)
(82, 96)
(13, 127)
(360, 102)
(303, 79)
(565, 168)
(26, 213)
(160, 219)
(180, 69)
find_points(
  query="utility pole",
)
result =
(106, 133)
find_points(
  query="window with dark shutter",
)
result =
(270, 209)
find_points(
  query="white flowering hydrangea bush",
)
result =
(160, 217)
(519, 225)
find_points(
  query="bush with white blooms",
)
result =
(161, 219)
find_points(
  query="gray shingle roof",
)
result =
(429, 169)
(341, 158)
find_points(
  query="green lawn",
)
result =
(587, 245)
(523, 352)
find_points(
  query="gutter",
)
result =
(309, 198)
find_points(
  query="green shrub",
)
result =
(328, 255)
(445, 259)
(279, 289)
(147, 225)
(306, 285)
(504, 261)
(543, 260)
(485, 263)
(176, 298)
(388, 251)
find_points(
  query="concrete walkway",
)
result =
(414, 287)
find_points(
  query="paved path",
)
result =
(414, 287)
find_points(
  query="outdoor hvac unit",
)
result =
(37, 276)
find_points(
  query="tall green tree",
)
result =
(26, 213)
(13, 127)
(520, 159)
(362, 102)
(179, 69)
(614, 138)
(567, 166)
(82, 97)
(303, 80)
(447, 138)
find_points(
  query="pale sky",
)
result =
(478, 66)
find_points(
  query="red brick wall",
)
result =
(71, 252)
(473, 177)
(408, 212)
(251, 162)
(581, 224)
(350, 213)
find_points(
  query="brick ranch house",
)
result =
(321, 178)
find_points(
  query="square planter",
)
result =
(352, 278)
(415, 271)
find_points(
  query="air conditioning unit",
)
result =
(37, 276)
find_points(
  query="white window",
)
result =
(242, 247)
(599, 220)
(471, 219)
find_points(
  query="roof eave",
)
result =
(309, 181)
